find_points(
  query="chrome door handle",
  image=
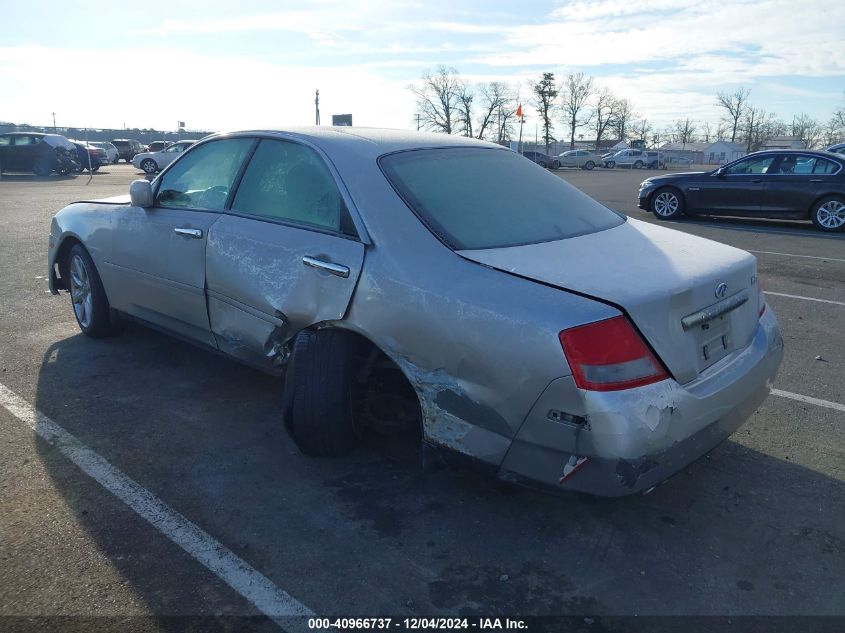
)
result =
(194, 233)
(334, 269)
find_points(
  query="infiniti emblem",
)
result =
(721, 291)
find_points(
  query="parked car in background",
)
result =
(157, 146)
(839, 148)
(655, 160)
(679, 160)
(90, 158)
(127, 148)
(585, 159)
(634, 158)
(39, 153)
(789, 184)
(627, 358)
(112, 153)
(151, 162)
(543, 160)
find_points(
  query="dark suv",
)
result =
(39, 153)
(543, 160)
(127, 148)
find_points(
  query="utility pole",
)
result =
(54, 122)
(418, 121)
(317, 106)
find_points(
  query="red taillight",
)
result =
(609, 355)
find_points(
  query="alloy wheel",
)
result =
(80, 292)
(666, 204)
(831, 214)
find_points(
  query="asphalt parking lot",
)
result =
(755, 528)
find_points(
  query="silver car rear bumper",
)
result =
(623, 442)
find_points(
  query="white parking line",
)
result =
(222, 562)
(830, 259)
(783, 294)
(816, 401)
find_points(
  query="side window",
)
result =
(203, 178)
(4, 140)
(751, 166)
(800, 165)
(17, 141)
(288, 181)
(825, 167)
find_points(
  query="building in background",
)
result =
(722, 152)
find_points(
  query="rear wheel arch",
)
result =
(340, 359)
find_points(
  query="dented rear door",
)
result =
(284, 257)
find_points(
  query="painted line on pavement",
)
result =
(831, 259)
(816, 401)
(783, 294)
(216, 557)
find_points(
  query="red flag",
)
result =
(519, 111)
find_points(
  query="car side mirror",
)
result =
(141, 193)
(720, 173)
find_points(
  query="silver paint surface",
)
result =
(475, 333)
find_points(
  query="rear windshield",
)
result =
(120, 143)
(486, 198)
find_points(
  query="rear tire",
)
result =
(667, 203)
(318, 393)
(589, 165)
(638, 164)
(149, 166)
(828, 214)
(611, 164)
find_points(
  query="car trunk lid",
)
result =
(694, 300)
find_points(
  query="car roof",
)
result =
(365, 142)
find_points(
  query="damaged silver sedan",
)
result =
(529, 327)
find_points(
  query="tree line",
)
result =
(578, 105)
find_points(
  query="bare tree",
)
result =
(706, 131)
(839, 116)
(545, 93)
(625, 115)
(642, 128)
(438, 99)
(577, 90)
(493, 97)
(734, 105)
(807, 129)
(752, 121)
(465, 99)
(604, 107)
(684, 131)
(832, 132)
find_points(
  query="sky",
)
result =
(219, 66)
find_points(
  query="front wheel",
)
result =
(828, 214)
(541, 164)
(87, 295)
(42, 168)
(149, 166)
(589, 165)
(667, 204)
(638, 164)
(611, 164)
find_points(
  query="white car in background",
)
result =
(111, 150)
(152, 162)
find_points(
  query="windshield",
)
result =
(486, 198)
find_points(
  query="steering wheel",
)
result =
(215, 197)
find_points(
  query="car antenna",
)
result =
(88, 152)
